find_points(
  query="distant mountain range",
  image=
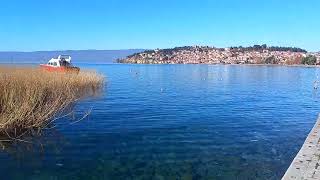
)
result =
(78, 56)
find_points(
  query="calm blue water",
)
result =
(178, 122)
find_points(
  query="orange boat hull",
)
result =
(59, 69)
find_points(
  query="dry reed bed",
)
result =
(30, 98)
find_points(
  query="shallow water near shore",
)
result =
(178, 122)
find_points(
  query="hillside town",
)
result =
(257, 54)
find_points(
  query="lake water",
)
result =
(177, 122)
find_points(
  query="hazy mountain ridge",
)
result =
(78, 56)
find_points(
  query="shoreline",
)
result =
(115, 63)
(306, 163)
(279, 65)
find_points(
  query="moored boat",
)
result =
(60, 64)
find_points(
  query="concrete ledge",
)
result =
(306, 165)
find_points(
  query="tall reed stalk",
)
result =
(30, 98)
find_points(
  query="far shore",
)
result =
(279, 65)
(287, 65)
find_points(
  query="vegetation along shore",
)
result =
(31, 99)
(257, 54)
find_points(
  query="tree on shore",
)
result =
(265, 47)
(271, 60)
(310, 60)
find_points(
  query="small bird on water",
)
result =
(316, 84)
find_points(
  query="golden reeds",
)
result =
(30, 98)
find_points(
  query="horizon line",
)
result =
(124, 49)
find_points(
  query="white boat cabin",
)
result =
(60, 61)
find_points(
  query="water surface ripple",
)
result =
(179, 122)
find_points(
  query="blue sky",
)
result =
(122, 24)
